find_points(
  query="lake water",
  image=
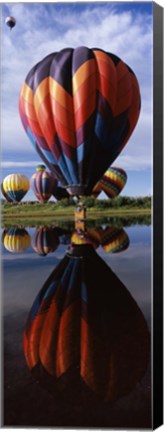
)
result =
(85, 360)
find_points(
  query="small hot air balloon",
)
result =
(112, 182)
(16, 240)
(43, 183)
(5, 194)
(16, 186)
(79, 108)
(85, 331)
(44, 240)
(10, 22)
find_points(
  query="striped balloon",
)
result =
(42, 184)
(85, 328)
(44, 241)
(16, 186)
(113, 239)
(112, 182)
(16, 240)
(79, 108)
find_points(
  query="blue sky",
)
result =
(122, 28)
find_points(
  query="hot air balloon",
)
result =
(111, 238)
(60, 193)
(10, 22)
(85, 331)
(112, 182)
(16, 240)
(44, 240)
(5, 194)
(42, 183)
(79, 108)
(16, 186)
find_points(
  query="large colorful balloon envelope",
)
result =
(5, 194)
(112, 182)
(44, 240)
(79, 108)
(16, 186)
(85, 331)
(42, 183)
(16, 240)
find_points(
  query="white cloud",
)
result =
(12, 164)
(43, 29)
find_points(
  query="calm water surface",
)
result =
(98, 318)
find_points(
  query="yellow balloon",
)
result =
(16, 186)
(16, 240)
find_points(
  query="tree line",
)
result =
(120, 201)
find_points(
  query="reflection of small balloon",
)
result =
(10, 22)
(116, 241)
(79, 108)
(44, 241)
(42, 183)
(16, 186)
(112, 239)
(16, 240)
(85, 328)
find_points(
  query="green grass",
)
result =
(35, 213)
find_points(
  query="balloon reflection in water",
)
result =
(80, 237)
(16, 240)
(85, 331)
(47, 239)
(112, 239)
(44, 240)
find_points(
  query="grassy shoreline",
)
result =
(38, 213)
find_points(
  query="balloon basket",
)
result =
(80, 216)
